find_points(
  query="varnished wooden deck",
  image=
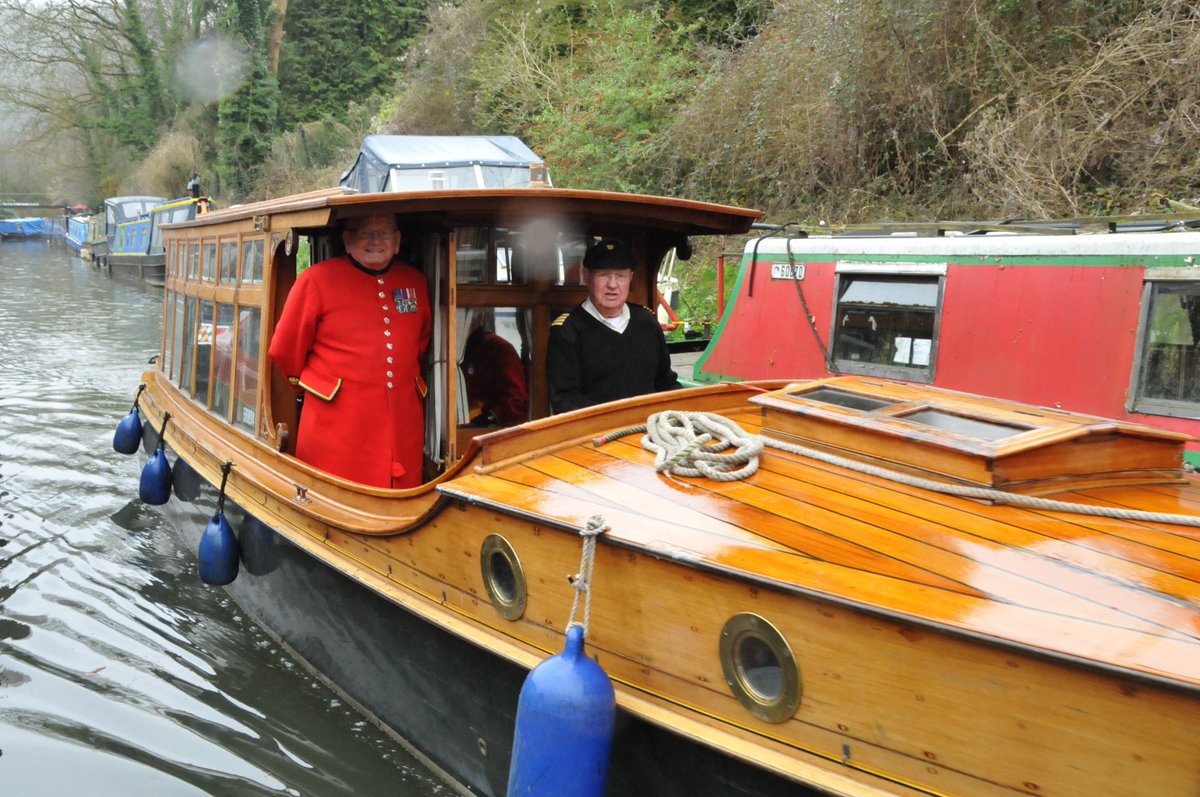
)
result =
(1112, 593)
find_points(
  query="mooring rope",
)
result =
(691, 444)
(582, 581)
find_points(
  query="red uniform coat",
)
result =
(354, 339)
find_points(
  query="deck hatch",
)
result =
(987, 442)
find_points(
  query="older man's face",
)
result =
(608, 288)
(373, 241)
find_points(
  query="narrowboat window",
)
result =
(204, 339)
(246, 369)
(210, 262)
(223, 355)
(252, 261)
(177, 332)
(886, 324)
(1168, 377)
(194, 261)
(229, 261)
(494, 351)
(188, 337)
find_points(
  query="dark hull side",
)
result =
(453, 702)
(143, 268)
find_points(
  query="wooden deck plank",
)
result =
(1007, 566)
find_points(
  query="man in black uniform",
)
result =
(606, 348)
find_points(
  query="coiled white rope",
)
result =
(692, 444)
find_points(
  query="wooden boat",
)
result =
(916, 592)
(137, 251)
(1093, 315)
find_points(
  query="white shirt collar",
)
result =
(616, 322)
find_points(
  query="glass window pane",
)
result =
(188, 340)
(252, 261)
(168, 337)
(978, 428)
(204, 340)
(229, 261)
(194, 261)
(177, 333)
(1170, 367)
(223, 362)
(494, 357)
(472, 255)
(885, 321)
(246, 372)
(210, 262)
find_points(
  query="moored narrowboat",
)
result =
(77, 232)
(137, 250)
(849, 586)
(1100, 316)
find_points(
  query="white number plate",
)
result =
(787, 271)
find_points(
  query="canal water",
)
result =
(120, 673)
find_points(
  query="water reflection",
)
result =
(120, 673)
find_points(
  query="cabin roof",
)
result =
(1113, 592)
(507, 205)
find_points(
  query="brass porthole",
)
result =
(760, 668)
(503, 576)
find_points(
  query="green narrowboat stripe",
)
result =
(1123, 260)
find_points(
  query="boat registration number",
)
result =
(787, 271)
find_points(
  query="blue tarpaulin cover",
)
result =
(420, 163)
(24, 228)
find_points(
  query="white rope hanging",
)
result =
(691, 444)
(582, 581)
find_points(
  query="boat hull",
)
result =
(139, 268)
(451, 702)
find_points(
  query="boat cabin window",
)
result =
(488, 256)
(496, 256)
(885, 320)
(494, 354)
(193, 268)
(213, 325)
(1167, 377)
(209, 261)
(252, 261)
(222, 343)
(245, 384)
(229, 261)
(187, 335)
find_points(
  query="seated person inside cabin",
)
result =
(352, 335)
(606, 348)
(495, 376)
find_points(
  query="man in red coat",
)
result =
(352, 334)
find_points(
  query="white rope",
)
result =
(582, 581)
(691, 444)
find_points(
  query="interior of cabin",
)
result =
(512, 281)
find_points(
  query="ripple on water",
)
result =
(120, 673)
